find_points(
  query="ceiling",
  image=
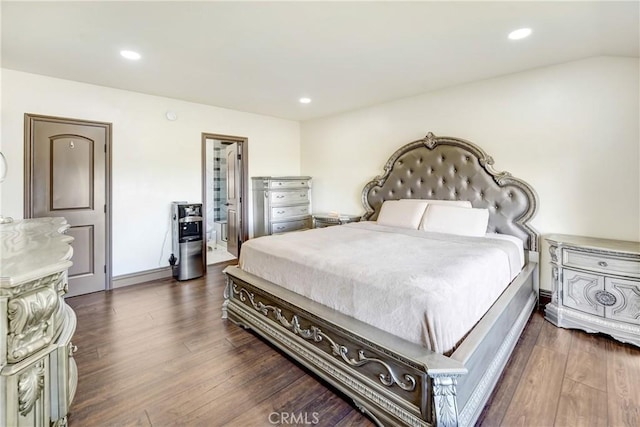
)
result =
(261, 57)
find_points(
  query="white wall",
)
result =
(154, 161)
(571, 131)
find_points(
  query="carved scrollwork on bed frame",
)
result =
(315, 334)
(449, 168)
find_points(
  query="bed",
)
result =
(359, 341)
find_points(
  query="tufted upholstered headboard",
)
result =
(448, 168)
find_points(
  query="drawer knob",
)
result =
(606, 298)
(280, 212)
(280, 196)
(603, 264)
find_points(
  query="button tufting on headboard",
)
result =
(444, 168)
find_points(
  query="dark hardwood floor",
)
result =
(158, 354)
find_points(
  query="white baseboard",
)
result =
(140, 277)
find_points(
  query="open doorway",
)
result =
(224, 188)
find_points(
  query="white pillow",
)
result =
(405, 213)
(455, 220)
(459, 203)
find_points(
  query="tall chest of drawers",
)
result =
(281, 204)
(596, 286)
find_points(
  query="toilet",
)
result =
(211, 239)
(221, 227)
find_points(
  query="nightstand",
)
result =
(321, 220)
(596, 286)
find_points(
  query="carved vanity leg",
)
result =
(444, 401)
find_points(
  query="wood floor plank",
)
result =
(192, 389)
(536, 398)
(232, 394)
(552, 337)
(586, 367)
(501, 398)
(288, 401)
(170, 385)
(354, 419)
(329, 408)
(623, 384)
(581, 406)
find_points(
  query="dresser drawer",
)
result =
(603, 264)
(289, 211)
(283, 227)
(301, 183)
(289, 197)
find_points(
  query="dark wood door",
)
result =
(68, 178)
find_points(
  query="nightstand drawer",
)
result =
(283, 227)
(289, 197)
(301, 183)
(289, 211)
(600, 263)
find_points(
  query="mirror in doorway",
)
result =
(217, 203)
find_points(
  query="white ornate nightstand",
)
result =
(321, 220)
(596, 286)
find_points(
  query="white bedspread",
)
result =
(428, 288)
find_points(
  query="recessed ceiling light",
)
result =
(304, 100)
(520, 33)
(129, 54)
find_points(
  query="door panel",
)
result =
(233, 187)
(83, 250)
(71, 168)
(68, 179)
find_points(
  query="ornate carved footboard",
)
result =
(393, 381)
